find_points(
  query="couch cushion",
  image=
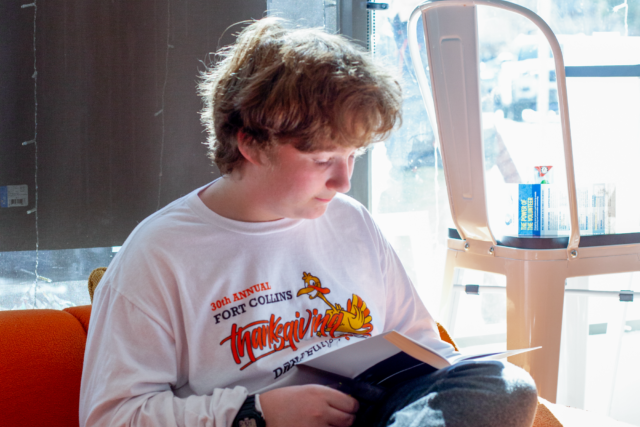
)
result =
(41, 353)
(82, 313)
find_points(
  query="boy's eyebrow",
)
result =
(329, 152)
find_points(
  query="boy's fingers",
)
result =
(338, 418)
(343, 402)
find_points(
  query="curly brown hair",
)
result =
(304, 87)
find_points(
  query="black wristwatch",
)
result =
(248, 415)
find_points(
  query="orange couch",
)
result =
(41, 354)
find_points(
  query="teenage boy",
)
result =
(219, 293)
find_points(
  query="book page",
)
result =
(489, 356)
(352, 360)
(417, 350)
(435, 359)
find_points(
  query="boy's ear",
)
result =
(250, 151)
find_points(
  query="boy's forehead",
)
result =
(332, 145)
(336, 148)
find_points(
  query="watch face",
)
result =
(248, 422)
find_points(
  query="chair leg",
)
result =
(572, 385)
(535, 296)
(447, 314)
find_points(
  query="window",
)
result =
(61, 277)
(600, 344)
(521, 130)
(100, 119)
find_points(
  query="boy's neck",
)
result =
(231, 197)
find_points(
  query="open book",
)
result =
(364, 369)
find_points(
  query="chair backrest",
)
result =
(453, 59)
(450, 28)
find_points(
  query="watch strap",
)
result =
(248, 415)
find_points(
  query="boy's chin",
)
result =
(313, 214)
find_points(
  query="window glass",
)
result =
(477, 317)
(409, 198)
(520, 119)
(58, 279)
(600, 343)
(306, 13)
(522, 124)
(521, 130)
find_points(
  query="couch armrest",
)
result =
(42, 352)
(82, 313)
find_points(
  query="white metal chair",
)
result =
(535, 276)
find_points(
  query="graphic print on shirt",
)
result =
(262, 338)
(354, 320)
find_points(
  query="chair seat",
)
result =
(559, 242)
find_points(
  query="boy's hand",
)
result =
(309, 406)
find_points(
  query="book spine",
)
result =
(610, 208)
(529, 213)
(585, 221)
(564, 219)
(598, 208)
(550, 213)
(510, 206)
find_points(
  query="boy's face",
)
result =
(301, 185)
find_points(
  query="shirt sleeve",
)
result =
(131, 370)
(405, 311)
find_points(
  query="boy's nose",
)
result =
(340, 180)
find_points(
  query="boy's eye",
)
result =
(322, 162)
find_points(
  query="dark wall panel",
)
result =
(118, 134)
(16, 119)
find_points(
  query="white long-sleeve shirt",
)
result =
(197, 310)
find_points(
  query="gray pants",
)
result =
(469, 394)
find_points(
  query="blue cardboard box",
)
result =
(529, 209)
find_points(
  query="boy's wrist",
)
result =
(258, 405)
(249, 415)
